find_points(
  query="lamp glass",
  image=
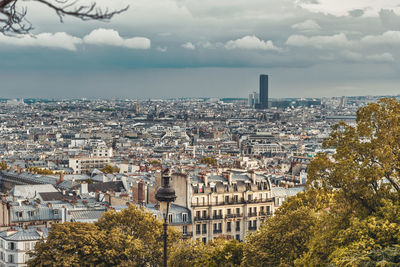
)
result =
(164, 208)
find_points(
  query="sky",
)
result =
(207, 48)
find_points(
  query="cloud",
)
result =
(381, 58)
(59, 40)
(251, 42)
(369, 8)
(356, 13)
(387, 38)
(389, 19)
(162, 49)
(307, 26)
(189, 46)
(320, 42)
(373, 58)
(112, 38)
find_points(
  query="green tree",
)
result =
(131, 237)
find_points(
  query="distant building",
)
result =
(263, 92)
(253, 99)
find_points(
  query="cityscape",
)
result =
(233, 161)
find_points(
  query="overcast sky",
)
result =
(208, 48)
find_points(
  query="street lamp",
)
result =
(165, 195)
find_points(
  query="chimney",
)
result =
(84, 188)
(253, 176)
(204, 178)
(61, 178)
(141, 193)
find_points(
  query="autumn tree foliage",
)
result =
(131, 237)
(350, 213)
(110, 169)
(218, 252)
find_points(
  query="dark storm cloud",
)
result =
(198, 46)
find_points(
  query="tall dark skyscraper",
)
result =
(263, 91)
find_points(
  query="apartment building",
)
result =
(230, 204)
(16, 242)
(86, 164)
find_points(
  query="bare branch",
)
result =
(13, 21)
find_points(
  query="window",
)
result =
(11, 245)
(215, 227)
(236, 198)
(198, 214)
(170, 218)
(215, 213)
(184, 217)
(198, 229)
(229, 211)
(237, 211)
(220, 226)
(204, 214)
(268, 209)
(204, 228)
(250, 197)
(228, 226)
(184, 229)
(27, 245)
(238, 237)
(204, 239)
(19, 213)
(55, 212)
(226, 199)
(11, 258)
(238, 226)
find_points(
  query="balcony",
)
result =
(233, 215)
(189, 234)
(202, 218)
(252, 214)
(217, 231)
(217, 217)
(263, 200)
(263, 213)
(252, 228)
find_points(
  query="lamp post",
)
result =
(165, 195)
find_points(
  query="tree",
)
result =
(208, 160)
(3, 166)
(131, 237)
(13, 21)
(218, 252)
(366, 166)
(41, 171)
(110, 169)
(349, 213)
(282, 238)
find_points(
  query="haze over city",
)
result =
(187, 48)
